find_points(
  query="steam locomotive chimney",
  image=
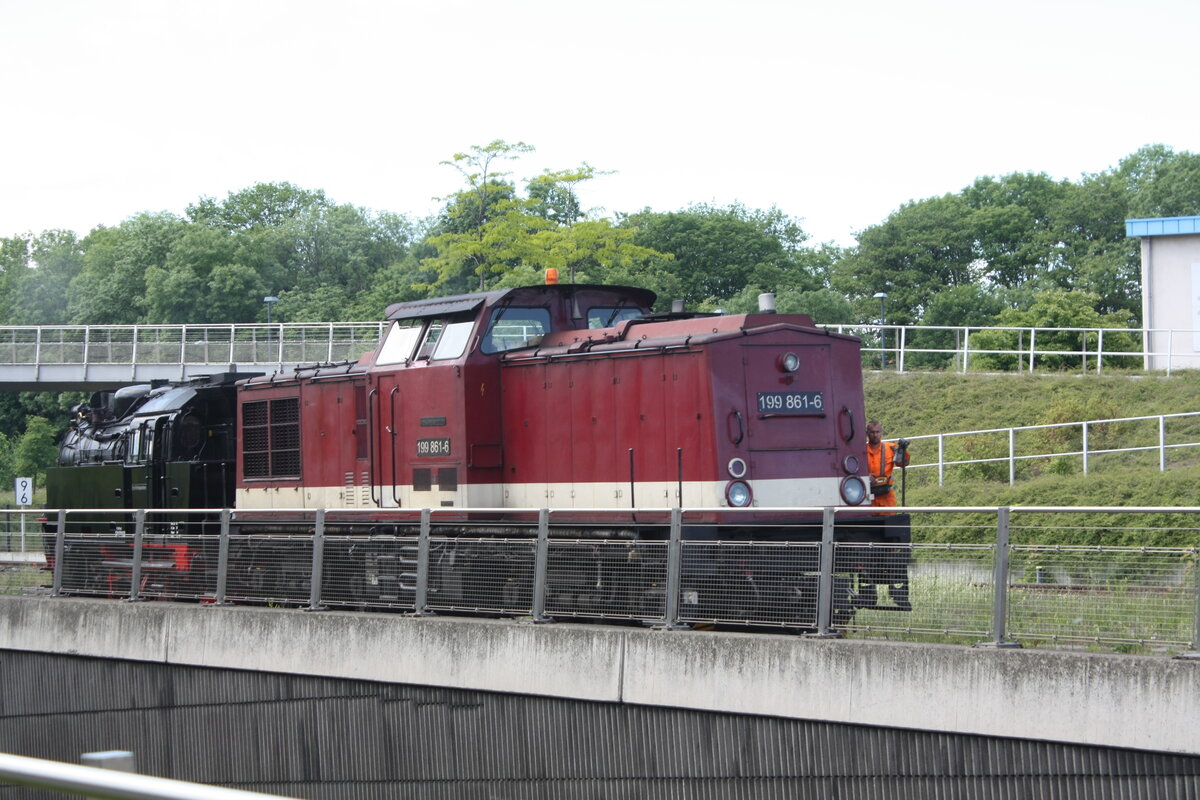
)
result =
(676, 306)
(766, 303)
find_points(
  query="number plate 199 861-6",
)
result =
(791, 403)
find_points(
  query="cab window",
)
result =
(512, 327)
(401, 339)
(606, 317)
(452, 342)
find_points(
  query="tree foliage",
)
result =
(971, 258)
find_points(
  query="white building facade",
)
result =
(1170, 290)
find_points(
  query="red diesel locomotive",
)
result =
(563, 397)
(574, 398)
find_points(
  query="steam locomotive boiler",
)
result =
(574, 398)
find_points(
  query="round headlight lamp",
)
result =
(854, 490)
(738, 494)
(850, 465)
(737, 468)
(789, 362)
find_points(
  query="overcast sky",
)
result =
(836, 113)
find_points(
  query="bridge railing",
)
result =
(1010, 453)
(291, 343)
(891, 347)
(1049, 577)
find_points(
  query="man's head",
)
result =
(874, 432)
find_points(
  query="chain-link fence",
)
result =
(972, 576)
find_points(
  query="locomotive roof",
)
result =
(441, 306)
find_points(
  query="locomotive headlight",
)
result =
(854, 491)
(738, 494)
(789, 362)
(850, 465)
(737, 468)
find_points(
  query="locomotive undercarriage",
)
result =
(727, 578)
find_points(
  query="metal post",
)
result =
(1000, 583)
(825, 579)
(135, 573)
(541, 562)
(900, 353)
(223, 560)
(966, 348)
(1099, 348)
(60, 547)
(1194, 653)
(674, 570)
(1084, 425)
(941, 437)
(1196, 618)
(1162, 444)
(318, 563)
(1170, 349)
(1012, 457)
(1032, 347)
(421, 595)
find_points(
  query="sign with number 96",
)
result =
(23, 490)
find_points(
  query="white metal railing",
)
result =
(279, 343)
(899, 347)
(1152, 437)
(1023, 349)
(57, 776)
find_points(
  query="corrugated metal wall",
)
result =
(327, 738)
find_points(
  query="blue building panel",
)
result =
(1162, 226)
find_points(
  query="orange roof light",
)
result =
(551, 276)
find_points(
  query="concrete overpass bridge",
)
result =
(345, 704)
(87, 358)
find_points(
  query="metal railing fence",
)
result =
(899, 347)
(987, 575)
(278, 343)
(47, 777)
(1009, 453)
(1021, 349)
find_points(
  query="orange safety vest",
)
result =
(881, 472)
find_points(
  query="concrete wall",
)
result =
(1116, 701)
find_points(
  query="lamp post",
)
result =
(270, 300)
(882, 298)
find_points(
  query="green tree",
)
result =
(966, 306)
(825, 306)
(264, 205)
(37, 291)
(7, 473)
(1053, 309)
(718, 252)
(920, 250)
(553, 194)
(111, 287)
(35, 450)
(14, 264)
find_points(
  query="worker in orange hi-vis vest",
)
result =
(882, 460)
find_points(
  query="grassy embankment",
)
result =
(928, 403)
